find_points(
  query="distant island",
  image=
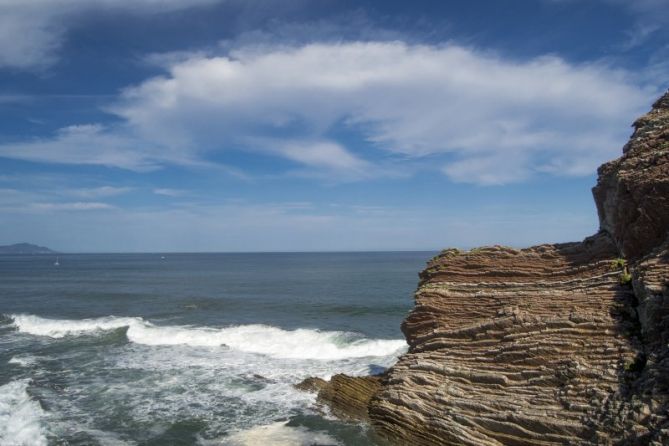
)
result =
(25, 248)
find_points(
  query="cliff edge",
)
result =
(552, 345)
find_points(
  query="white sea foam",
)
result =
(20, 416)
(23, 360)
(261, 339)
(58, 328)
(276, 434)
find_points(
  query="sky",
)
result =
(323, 125)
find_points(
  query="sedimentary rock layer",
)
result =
(551, 345)
(510, 347)
(347, 397)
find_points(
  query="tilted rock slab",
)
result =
(517, 347)
(548, 345)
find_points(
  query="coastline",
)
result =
(553, 344)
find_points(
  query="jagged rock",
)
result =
(632, 192)
(510, 347)
(313, 385)
(346, 396)
(550, 345)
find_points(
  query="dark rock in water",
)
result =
(262, 379)
(313, 385)
(346, 396)
(561, 344)
(25, 248)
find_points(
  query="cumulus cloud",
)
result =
(31, 31)
(475, 115)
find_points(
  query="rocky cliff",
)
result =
(550, 345)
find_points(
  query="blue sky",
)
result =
(295, 125)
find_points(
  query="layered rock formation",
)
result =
(347, 397)
(551, 345)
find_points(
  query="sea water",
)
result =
(193, 349)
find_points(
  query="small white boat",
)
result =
(56, 263)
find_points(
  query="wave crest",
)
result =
(262, 339)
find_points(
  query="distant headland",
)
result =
(25, 248)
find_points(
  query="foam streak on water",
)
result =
(278, 434)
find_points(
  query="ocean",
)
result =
(193, 349)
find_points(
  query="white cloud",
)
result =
(409, 100)
(169, 192)
(76, 206)
(479, 118)
(102, 191)
(94, 144)
(31, 31)
(20, 202)
(327, 155)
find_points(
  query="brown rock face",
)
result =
(550, 345)
(346, 396)
(632, 193)
(509, 346)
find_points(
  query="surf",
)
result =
(20, 416)
(302, 343)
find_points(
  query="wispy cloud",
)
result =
(75, 206)
(102, 191)
(170, 192)
(90, 144)
(43, 24)
(284, 227)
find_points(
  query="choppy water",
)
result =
(192, 348)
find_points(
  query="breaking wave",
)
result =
(262, 339)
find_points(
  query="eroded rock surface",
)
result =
(346, 396)
(551, 345)
(511, 347)
(632, 192)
